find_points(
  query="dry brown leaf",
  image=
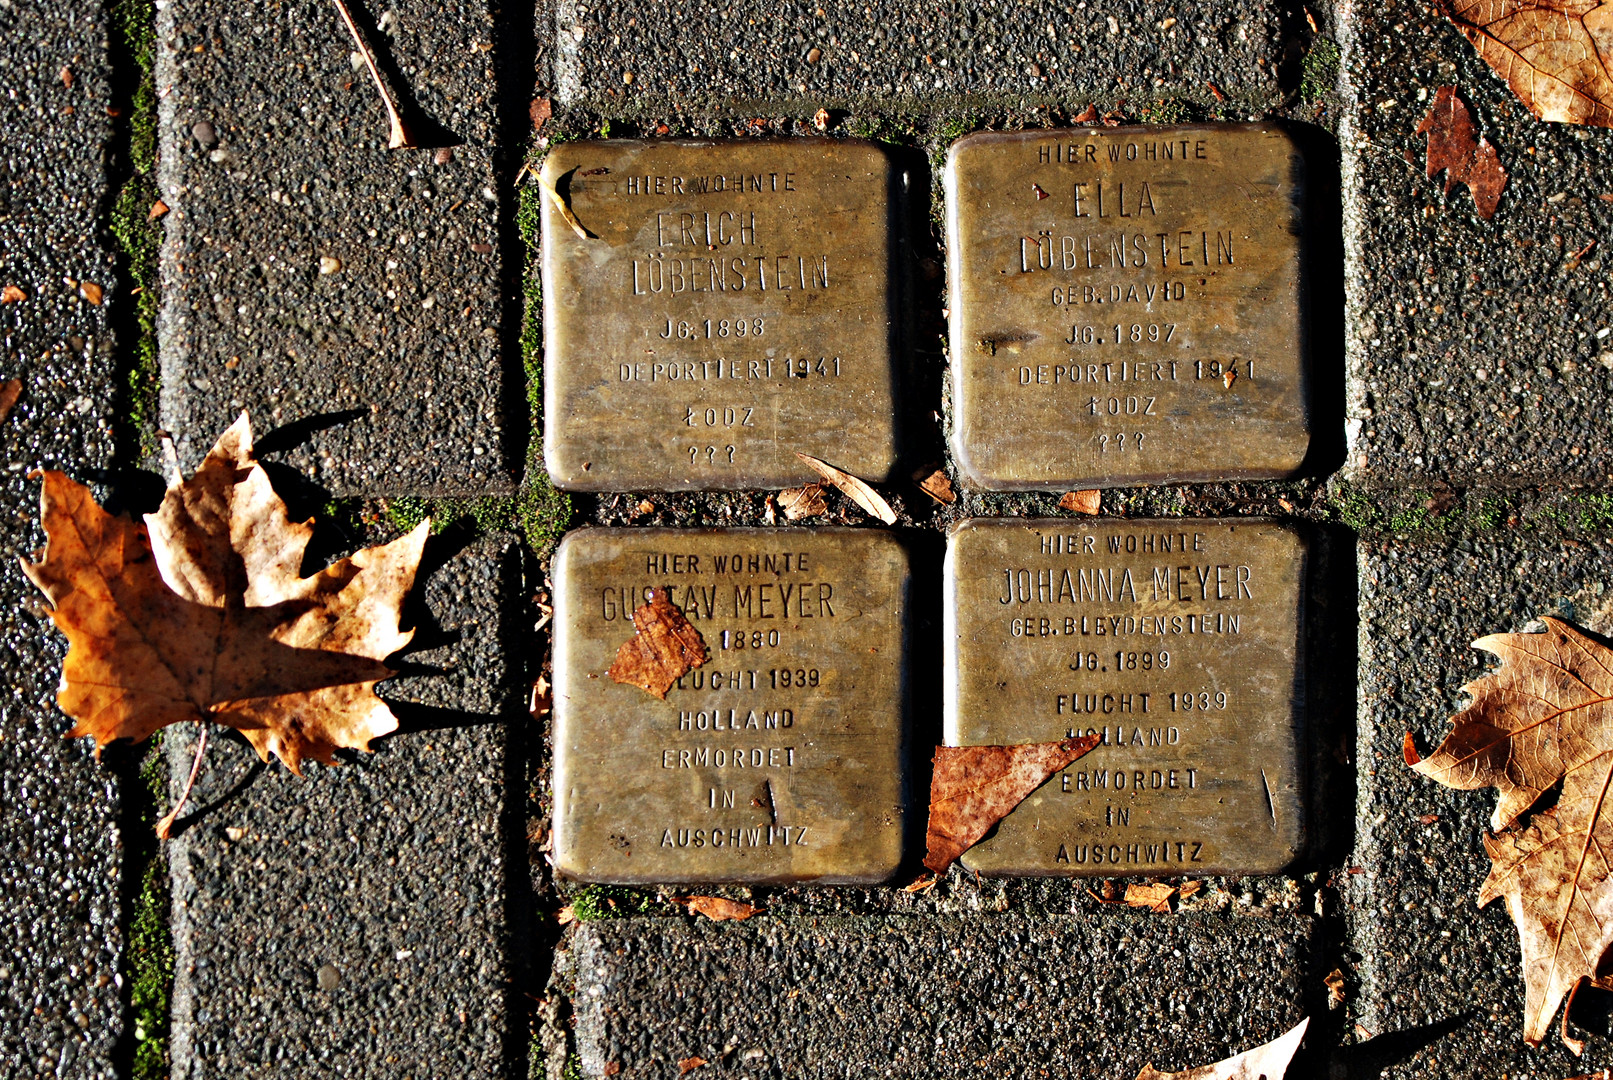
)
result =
(1156, 897)
(859, 492)
(541, 700)
(802, 502)
(1088, 115)
(1544, 717)
(690, 1064)
(90, 291)
(612, 1067)
(199, 614)
(974, 787)
(820, 119)
(1556, 55)
(1268, 1062)
(11, 295)
(938, 487)
(717, 909)
(920, 883)
(9, 393)
(663, 647)
(566, 915)
(1334, 981)
(540, 110)
(1464, 158)
(1082, 502)
(158, 209)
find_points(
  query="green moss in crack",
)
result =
(150, 943)
(1355, 509)
(1319, 74)
(593, 903)
(538, 511)
(528, 217)
(1167, 111)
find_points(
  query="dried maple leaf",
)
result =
(717, 909)
(802, 502)
(9, 393)
(938, 487)
(1464, 158)
(1268, 1062)
(1082, 502)
(663, 647)
(859, 492)
(974, 787)
(1556, 55)
(199, 614)
(1544, 716)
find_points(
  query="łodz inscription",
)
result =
(730, 306)
(779, 760)
(1125, 306)
(1176, 641)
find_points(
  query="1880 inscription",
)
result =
(781, 758)
(1178, 641)
(729, 307)
(1125, 306)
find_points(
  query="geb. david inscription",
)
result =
(781, 759)
(729, 306)
(1179, 642)
(1126, 306)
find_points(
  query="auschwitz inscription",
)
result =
(779, 760)
(1177, 641)
(1126, 306)
(730, 306)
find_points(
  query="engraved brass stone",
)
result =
(1180, 642)
(730, 306)
(779, 760)
(1126, 306)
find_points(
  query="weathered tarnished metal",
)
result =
(1126, 306)
(730, 305)
(782, 758)
(1179, 641)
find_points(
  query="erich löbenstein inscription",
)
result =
(1126, 306)
(730, 306)
(1179, 642)
(781, 759)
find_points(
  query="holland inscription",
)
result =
(729, 306)
(779, 760)
(1178, 641)
(1126, 306)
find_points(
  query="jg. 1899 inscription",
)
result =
(1177, 641)
(729, 306)
(778, 760)
(1126, 306)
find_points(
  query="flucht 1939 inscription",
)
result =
(781, 759)
(718, 307)
(1179, 643)
(1126, 306)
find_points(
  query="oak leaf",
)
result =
(662, 649)
(1268, 1062)
(857, 491)
(1555, 55)
(974, 787)
(1464, 158)
(200, 614)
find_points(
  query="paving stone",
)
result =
(892, 54)
(353, 922)
(391, 352)
(943, 996)
(1472, 350)
(60, 946)
(1431, 968)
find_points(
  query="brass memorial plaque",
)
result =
(779, 760)
(731, 306)
(1179, 641)
(1126, 306)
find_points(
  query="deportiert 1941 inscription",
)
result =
(1126, 306)
(730, 305)
(781, 759)
(1179, 643)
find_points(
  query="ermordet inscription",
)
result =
(782, 759)
(1126, 306)
(731, 305)
(1178, 641)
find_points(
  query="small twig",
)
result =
(401, 137)
(166, 825)
(560, 205)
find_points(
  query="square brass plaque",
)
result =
(1179, 641)
(731, 306)
(779, 760)
(1126, 306)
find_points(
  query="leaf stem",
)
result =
(166, 825)
(400, 136)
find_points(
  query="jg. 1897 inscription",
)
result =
(729, 307)
(778, 760)
(1126, 306)
(1177, 641)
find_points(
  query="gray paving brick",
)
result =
(893, 54)
(399, 349)
(1048, 995)
(1431, 966)
(353, 922)
(1472, 352)
(60, 947)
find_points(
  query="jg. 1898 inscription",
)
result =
(730, 306)
(778, 760)
(1177, 641)
(1126, 306)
